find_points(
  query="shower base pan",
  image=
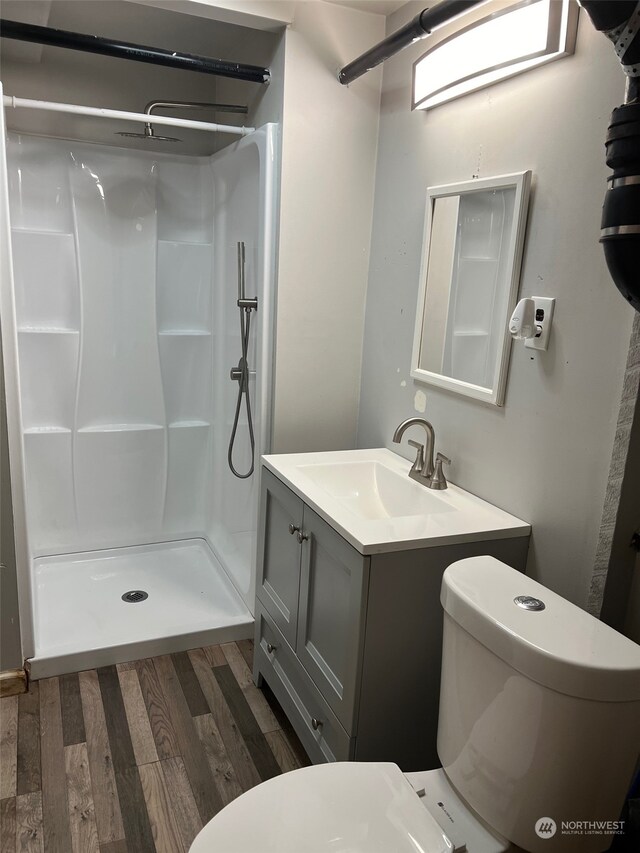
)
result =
(82, 621)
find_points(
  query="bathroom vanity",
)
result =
(351, 554)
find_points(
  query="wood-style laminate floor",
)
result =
(135, 758)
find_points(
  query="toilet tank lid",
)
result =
(561, 647)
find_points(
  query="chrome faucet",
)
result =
(424, 470)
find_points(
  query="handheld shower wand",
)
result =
(240, 374)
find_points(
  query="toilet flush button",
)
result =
(528, 602)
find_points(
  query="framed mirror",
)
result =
(469, 280)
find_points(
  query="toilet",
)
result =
(538, 735)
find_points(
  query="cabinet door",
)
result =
(333, 599)
(279, 554)
(320, 731)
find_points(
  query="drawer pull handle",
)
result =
(293, 529)
(302, 536)
(316, 723)
(271, 648)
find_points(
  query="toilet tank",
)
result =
(539, 728)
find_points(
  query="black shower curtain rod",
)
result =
(137, 52)
(423, 24)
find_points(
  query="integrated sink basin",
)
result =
(373, 491)
(367, 496)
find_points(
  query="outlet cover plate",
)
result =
(547, 305)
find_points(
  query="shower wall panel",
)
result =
(239, 216)
(113, 262)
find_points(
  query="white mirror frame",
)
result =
(521, 181)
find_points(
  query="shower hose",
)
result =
(243, 391)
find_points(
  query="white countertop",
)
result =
(454, 516)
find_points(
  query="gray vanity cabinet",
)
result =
(350, 643)
(313, 585)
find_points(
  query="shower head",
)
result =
(146, 136)
(149, 133)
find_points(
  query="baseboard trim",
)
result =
(12, 682)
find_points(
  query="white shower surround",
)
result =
(121, 441)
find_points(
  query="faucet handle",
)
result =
(418, 465)
(439, 481)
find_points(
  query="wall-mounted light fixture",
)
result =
(514, 38)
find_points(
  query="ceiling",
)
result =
(381, 7)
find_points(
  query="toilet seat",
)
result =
(345, 807)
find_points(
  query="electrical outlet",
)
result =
(544, 316)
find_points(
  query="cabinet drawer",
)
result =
(299, 697)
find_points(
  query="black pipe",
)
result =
(424, 23)
(607, 16)
(620, 226)
(127, 50)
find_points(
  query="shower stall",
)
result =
(120, 328)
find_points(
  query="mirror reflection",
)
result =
(473, 243)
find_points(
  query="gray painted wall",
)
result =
(545, 455)
(329, 137)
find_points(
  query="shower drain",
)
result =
(135, 595)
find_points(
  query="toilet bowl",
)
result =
(348, 807)
(539, 733)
